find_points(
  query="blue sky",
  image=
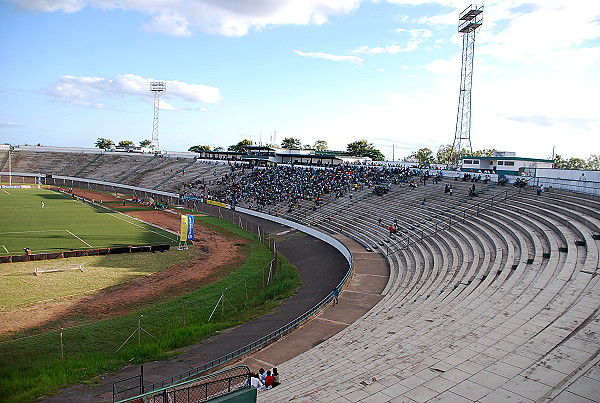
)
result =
(333, 70)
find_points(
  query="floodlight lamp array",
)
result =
(158, 86)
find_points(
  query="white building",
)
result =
(504, 163)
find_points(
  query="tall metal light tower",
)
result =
(468, 22)
(157, 87)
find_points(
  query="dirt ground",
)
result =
(212, 256)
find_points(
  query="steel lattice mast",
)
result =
(468, 22)
(157, 87)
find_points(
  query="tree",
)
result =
(291, 143)
(486, 152)
(126, 143)
(423, 156)
(104, 143)
(146, 143)
(218, 149)
(559, 163)
(241, 146)
(575, 163)
(362, 148)
(593, 163)
(445, 154)
(321, 145)
(571, 163)
(199, 148)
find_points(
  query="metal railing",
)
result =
(574, 185)
(429, 230)
(195, 390)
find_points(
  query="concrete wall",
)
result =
(300, 227)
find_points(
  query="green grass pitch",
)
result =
(64, 223)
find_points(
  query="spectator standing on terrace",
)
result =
(336, 294)
(275, 377)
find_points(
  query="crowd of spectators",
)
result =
(263, 187)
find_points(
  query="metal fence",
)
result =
(31, 257)
(447, 220)
(580, 186)
(194, 390)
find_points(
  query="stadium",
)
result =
(449, 296)
(292, 272)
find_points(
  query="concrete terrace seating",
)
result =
(503, 306)
(143, 170)
(49, 162)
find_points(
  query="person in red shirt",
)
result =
(269, 380)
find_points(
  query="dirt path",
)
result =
(212, 259)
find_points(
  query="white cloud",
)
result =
(333, 58)
(537, 32)
(390, 49)
(229, 18)
(165, 106)
(169, 24)
(7, 123)
(416, 37)
(88, 91)
(67, 6)
(442, 67)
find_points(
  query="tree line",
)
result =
(446, 155)
(359, 148)
(362, 148)
(106, 144)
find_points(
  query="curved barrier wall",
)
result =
(300, 227)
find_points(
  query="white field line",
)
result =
(78, 238)
(5, 249)
(25, 232)
(5, 191)
(137, 219)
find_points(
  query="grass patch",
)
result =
(32, 366)
(20, 288)
(64, 223)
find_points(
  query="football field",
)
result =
(48, 221)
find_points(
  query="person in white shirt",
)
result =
(255, 382)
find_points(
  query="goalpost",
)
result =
(51, 269)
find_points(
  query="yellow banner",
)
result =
(216, 203)
(184, 229)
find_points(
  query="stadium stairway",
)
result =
(501, 307)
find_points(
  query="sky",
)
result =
(387, 71)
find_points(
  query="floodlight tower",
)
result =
(157, 87)
(468, 22)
